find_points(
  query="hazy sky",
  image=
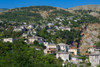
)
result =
(55, 3)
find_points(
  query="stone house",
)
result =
(51, 49)
(31, 39)
(46, 44)
(63, 47)
(8, 40)
(63, 55)
(75, 60)
(17, 29)
(65, 28)
(30, 26)
(24, 35)
(73, 51)
(94, 59)
(94, 50)
(35, 38)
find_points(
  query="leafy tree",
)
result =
(19, 54)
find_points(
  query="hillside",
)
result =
(33, 13)
(93, 10)
(91, 36)
(43, 14)
(3, 9)
(87, 7)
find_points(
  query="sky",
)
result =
(56, 3)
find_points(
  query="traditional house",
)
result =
(63, 47)
(76, 60)
(8, 40)
(46, 43)
(51, 49)
(73, 51)
(50, 24)
(24, 35)
(63, 55)
(17, 29)
(94, 50)
(30, 26)
(65, 28)
(94, 59)
(31, 39)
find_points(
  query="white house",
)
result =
(31, 39)
(51, 49)
(75, 60)
(30, 26)
(63, 46)
(46, 43)
(73, 50)
(17, 29)
(24, 35)
(94, 59)
(94, 50)
(63, 55)
(91, 50)
(65, 28)
(8, 40)
(51, 46)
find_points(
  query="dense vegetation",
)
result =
(19, 16)
(61, 36)
(98, 44)
(89, 19)
(32, 14)
(10, 33)
(19, 54)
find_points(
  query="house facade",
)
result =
(31, 39)
(63, 47)
(17, 29)
(76, 60)
(8, 40)
(51, 49)
(94, 59)
(63, 55)
(94, 50)
(73, 51)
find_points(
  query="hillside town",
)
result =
(66, 52)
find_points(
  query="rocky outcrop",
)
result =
(90, 37)
(95, 14)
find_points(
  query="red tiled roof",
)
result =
(74, 47)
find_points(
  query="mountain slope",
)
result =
(33, 13)
(91, 36)
(87, 7)
(39, 13)
(93, 10)
(3, 9)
